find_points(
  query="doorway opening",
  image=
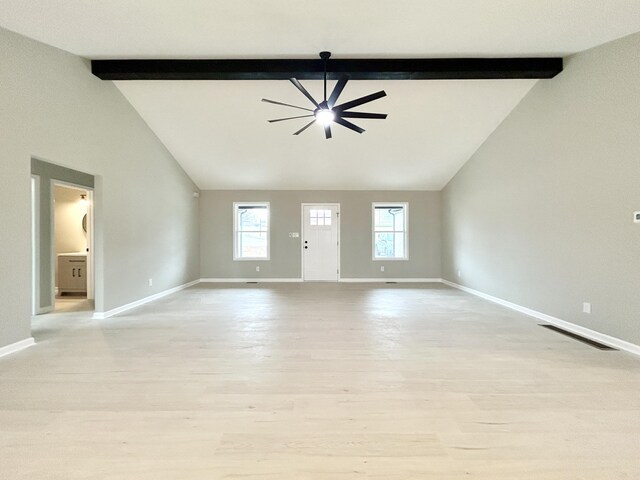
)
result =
(63, 214)
(72, 222)
(321, 242)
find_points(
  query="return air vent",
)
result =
(575, 336)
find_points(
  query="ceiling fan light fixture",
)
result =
(325, 116)
(326, 111)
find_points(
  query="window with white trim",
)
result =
(251, 231)
(390, 221)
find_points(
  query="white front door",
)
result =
(320, 242)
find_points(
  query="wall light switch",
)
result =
(586, 307)
(382, 269)
(636, 217)
(257, 269)
(151, 282)
(459, 275)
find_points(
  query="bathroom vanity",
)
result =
(72, 273)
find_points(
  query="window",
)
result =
(390, 231)
(251, 231)
(320, 217)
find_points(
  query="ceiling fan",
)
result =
(327, 111)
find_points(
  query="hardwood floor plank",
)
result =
(315, 381)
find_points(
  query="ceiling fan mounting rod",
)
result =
(324, 55)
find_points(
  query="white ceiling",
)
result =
(261, 28)
(218, 130)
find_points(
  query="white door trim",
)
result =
(311, 204)
(35, 244)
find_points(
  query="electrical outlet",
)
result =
(382, 269)
(257, 269)
(636, 217)
(151, 282)
(586, 307)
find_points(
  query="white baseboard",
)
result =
(570, 327)
(245, 280)
(142, 301)
(297, 280)
(17, 346)
(394, 280)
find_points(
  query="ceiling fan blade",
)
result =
(379, 116)
(337, 90)
(288, 118)
(304, 91)
(305, 127)
(327, 131)
(360, 101)
(286, 105)
(349, 125)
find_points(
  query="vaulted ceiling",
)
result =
(217, 130)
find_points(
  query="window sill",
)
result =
(391, 259)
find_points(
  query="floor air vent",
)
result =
(252, 282)
(390, 283)
(575, 336)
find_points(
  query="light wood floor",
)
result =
(316, 381)
(72, 304)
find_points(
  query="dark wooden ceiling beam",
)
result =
(358, 69)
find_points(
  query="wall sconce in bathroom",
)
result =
(83, 203)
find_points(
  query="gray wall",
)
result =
(542, 213)
(52, 108)
(216, 234)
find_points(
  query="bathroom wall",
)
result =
(69, 211)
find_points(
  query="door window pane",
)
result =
(327, 217)
(319, 217)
